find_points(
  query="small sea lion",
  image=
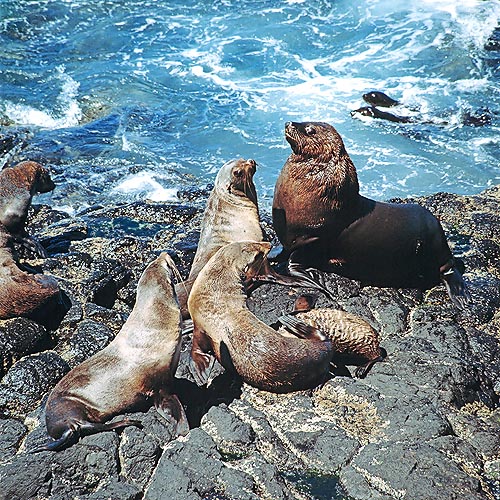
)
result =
(224, 326)
(373, 112)
(354, 341)
(133, 371)
(22, 294)
(323, 222)
(377, 98)
(18, 185)
(231, 214)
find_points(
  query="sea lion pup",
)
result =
(133, 371)
(224, 326)
(323, 222)
(23, 294)
(231, 214)
(18, 185)
(353, 339)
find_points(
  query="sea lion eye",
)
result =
(238, 173)
(310, 130)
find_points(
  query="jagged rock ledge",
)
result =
(423, 424)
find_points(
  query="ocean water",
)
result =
(135, 100)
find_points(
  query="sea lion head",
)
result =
(365, 111)
(44, 182)
(36, 176)
(314, 139)
(377, 98)
(236, 177)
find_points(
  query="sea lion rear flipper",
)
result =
(169, 406)
(301, 329)
(69, 437)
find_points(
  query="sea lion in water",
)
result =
(231, 215)
(224, 326)
(323, 222)
(18, 185)
(22, 294)
(374, 112)
(377, 98)
(354, 341)
(134, 370)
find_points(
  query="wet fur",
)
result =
(231, 215)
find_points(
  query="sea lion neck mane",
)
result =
(319, 158)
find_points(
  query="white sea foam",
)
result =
(145, 185)
(67, 112)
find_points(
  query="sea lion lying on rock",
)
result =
(354, 341)
(225, 327)
(133, 371)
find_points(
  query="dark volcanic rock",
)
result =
(423, 424)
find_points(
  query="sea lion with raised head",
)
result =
(354, 341)
(323, 222)
(226, 328)
(18, 185)
(231, 214)
(135, 370)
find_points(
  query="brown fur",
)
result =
(134, 370)
(224, 325)
(324, 223)
(18, 184)
(231, 215)
(23, 294)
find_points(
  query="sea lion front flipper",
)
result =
(201, 361)
(455, 286)
(69, 437)
(169, 407)
(309, 277)
(301, 329)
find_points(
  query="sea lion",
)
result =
(323, 222)
(354, 341)
(22, 294)
(224, 326)
(374, 112)
(133, 371)
(377, 98)
(231, 214)
(18, 185)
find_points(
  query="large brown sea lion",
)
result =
(135, 370)
(323, 222)
(224, 326)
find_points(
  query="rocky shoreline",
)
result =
(424, 424)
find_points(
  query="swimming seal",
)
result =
(224, 326)
(323, 222)
(378, 98)
(33, 296)
(374, 112)
(354, 341)
(231, 215)
(133, 371)
(18, 185)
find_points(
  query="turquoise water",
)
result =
(134, 100)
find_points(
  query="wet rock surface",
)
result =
(423, 424)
